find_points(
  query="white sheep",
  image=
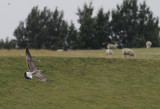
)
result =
(60, 50)
(129, 52)
(111, 46)
(148, 44)
(109, 52)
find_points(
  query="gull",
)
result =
(32, 68)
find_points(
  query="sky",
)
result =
(14, 11)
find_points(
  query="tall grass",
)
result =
(142, 53)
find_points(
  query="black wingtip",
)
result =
(27, 50)
(48, 80)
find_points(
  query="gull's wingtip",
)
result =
(27, 50)
(48, 80)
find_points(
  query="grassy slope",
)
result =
(81, 83)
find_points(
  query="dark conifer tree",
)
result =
(86, 30)
(72, 38)
(42, 29)
(102, 30)
(133, 24)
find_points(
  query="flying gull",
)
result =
(32, 68)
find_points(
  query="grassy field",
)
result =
(142, 53)
(81, 79)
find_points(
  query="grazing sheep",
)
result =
(109, 52)
(148, 44)
(60, 50)
(111, 46)
(129, 52)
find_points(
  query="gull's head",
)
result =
(28, 75)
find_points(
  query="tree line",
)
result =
(130, 24)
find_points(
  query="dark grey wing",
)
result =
(29, 61)
(40, 77)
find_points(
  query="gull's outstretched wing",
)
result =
(29, 61)
(40, 77)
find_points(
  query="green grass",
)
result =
(82, 83)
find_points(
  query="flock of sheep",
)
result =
(125, 51)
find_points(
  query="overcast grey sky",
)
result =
(13, 11)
